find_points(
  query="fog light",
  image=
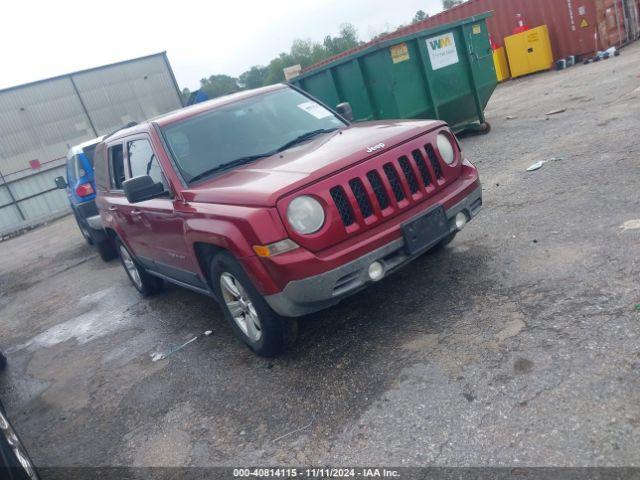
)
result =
(376, 271)
(461, 220)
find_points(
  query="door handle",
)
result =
(113, 208)
(135, 212)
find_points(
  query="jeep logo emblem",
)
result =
(375, 147)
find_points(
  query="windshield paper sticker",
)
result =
(442, 51)
(312, 108)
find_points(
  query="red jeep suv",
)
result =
(277, 206)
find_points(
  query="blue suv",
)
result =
(81, 190)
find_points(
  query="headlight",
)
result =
(305, 214)
(446, 148)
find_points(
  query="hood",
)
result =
(263, 182)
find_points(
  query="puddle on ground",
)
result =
(108, 313)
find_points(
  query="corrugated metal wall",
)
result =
(38, 121)
(31, 197)
(562, 17)
(119, 94)
(572, 23)
(632, 18)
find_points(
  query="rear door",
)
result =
(160, 236)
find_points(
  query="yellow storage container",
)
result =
(501, 64)
(529, 51)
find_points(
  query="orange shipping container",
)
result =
(576, 27)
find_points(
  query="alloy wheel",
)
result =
(240, 306)
(130, 267)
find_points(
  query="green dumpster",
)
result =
(446, 72)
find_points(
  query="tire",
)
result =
(255, 323)
(84, 229)
(3, 361)
(144, 282)
(444, 242)
(485, 128)
(106, 248)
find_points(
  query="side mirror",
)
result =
(139, 189)
(345, 110)
(61, 183)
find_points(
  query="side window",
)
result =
(89, 153)
(100, 169)
(143, 161)
(78, 166)
(116, 166)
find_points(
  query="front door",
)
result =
(161, 244)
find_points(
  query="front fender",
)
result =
(236, 229)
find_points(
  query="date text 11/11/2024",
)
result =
(315, 473)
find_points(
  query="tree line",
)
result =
(304, 52)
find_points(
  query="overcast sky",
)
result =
(48, 38)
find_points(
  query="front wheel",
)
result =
(144, 282)
(246, 310)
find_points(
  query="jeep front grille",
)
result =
(394, 185)
(408, 173)
(361, 197)
(394, 180)
(378, 189)
(422, 167)
(433, 158)
(342, 204)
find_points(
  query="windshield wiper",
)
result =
(250, 158)
(305, 136)
(228, 165)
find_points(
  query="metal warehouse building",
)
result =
(39, 120)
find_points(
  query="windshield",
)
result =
(245, 130)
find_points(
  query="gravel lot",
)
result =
(517, 345)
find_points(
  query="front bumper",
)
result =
(88, 214)
(311, 294)
(86, 209)
(95, 222)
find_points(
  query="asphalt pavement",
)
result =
(516, 345)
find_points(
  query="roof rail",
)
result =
(128, 125)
